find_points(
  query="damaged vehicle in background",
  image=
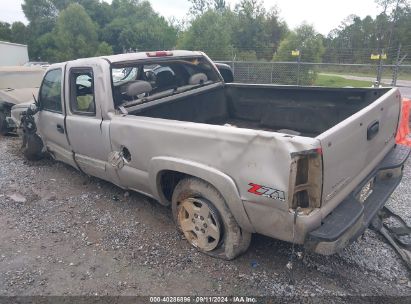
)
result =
(307, 165)
(18, 85)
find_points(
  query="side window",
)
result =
(82, 92)
(50, 91)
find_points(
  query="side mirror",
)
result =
(36, 103)
(32, 109)
(225, 71)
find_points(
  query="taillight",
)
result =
(159, 54)
(306, 179)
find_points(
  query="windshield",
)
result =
(123, 75)
(148, 81)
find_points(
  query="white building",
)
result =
(13, 54)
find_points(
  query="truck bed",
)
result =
(255, 125)
(286, 109)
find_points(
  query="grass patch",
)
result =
(402, 75)
(339, 82)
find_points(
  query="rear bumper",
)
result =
(349, 220)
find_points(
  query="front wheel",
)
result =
(3, 124)
(201, 214)
(32, 147)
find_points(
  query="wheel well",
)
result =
(168, 180)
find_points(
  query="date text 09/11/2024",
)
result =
(207, 299)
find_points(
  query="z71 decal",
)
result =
(267, 192)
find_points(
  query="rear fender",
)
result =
(222, 182)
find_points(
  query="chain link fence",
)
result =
(305, 73)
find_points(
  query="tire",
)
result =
(223, 236)
(3, 124)
(33, 148)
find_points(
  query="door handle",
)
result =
(60, 129)
(373, 129)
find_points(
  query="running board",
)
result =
(396, 231)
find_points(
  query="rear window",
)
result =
(138, 83)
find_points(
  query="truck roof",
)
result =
(143, 55)
(133, 56)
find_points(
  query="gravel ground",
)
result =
(64, 233)
(406, 91)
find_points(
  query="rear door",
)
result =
(51, 124)
(354, 147)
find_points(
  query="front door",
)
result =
(50, 123)
(88, 133)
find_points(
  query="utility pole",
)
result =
(385, 4)
(395, 70)
(397, 61)
(397, 66)
(297, 53)
(299, 68)
(380, 49)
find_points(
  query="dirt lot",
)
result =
(64, 233)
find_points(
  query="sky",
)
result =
(325, 15)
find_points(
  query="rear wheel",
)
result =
(199, 221)
(201, 214)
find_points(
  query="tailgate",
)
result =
(353, 148)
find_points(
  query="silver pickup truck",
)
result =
(307, 165)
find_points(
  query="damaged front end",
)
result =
(7, 125)
(32, 145)
(9, 100)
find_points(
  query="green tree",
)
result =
(19, 32)
(112, 32)
(35, 10)
(249, 27)
(199, 7)
(148, 31)
(104, 49)
(309, 43)
(75, 33)
(152, 34)
(247, 32)
(220, 5)
(99, 11)
(211, 33)
(5, 31)
(355, 39)
(402, 32)
(352, 41)
(46, 48)
(306, 40)
(257, 30)
(42, 16)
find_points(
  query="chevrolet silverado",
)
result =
(307, 165)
